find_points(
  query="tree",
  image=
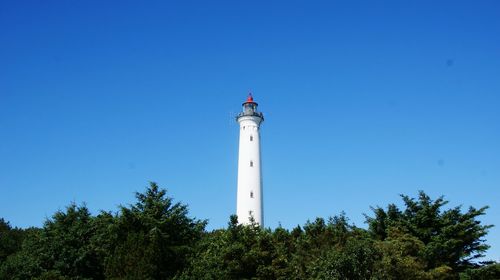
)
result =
(399, 259)
(355, 260)
(62, 247)
(490, 271)
(66, 241)
(10, 240)
(152, 238)
(231, 253)
(450, 238)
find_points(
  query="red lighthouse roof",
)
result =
(249, 98)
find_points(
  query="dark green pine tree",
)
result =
(451, 239)
(62, 249)
(10, 240)
(152, 238)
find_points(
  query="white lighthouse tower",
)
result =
(249, 197)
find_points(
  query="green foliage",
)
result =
(487, 272)
(240, 252)
(355, 260)
(399, 258)
(23, 264)
(320, 240)
(156, 239)
(66, 242)
(448, 238)
(62, 246)
(149, 240)
(10, 240)
(152, 238)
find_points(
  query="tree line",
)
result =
(155, 238)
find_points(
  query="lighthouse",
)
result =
(249, 198)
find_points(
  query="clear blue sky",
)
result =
(363, 101)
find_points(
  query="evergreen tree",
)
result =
(152, 238)
(10, 240)
(62, 247)
(449, 237)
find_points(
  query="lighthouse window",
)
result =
(251, 194)
(251, 138)
(251, 163)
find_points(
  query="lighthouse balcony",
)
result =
(250, 114)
